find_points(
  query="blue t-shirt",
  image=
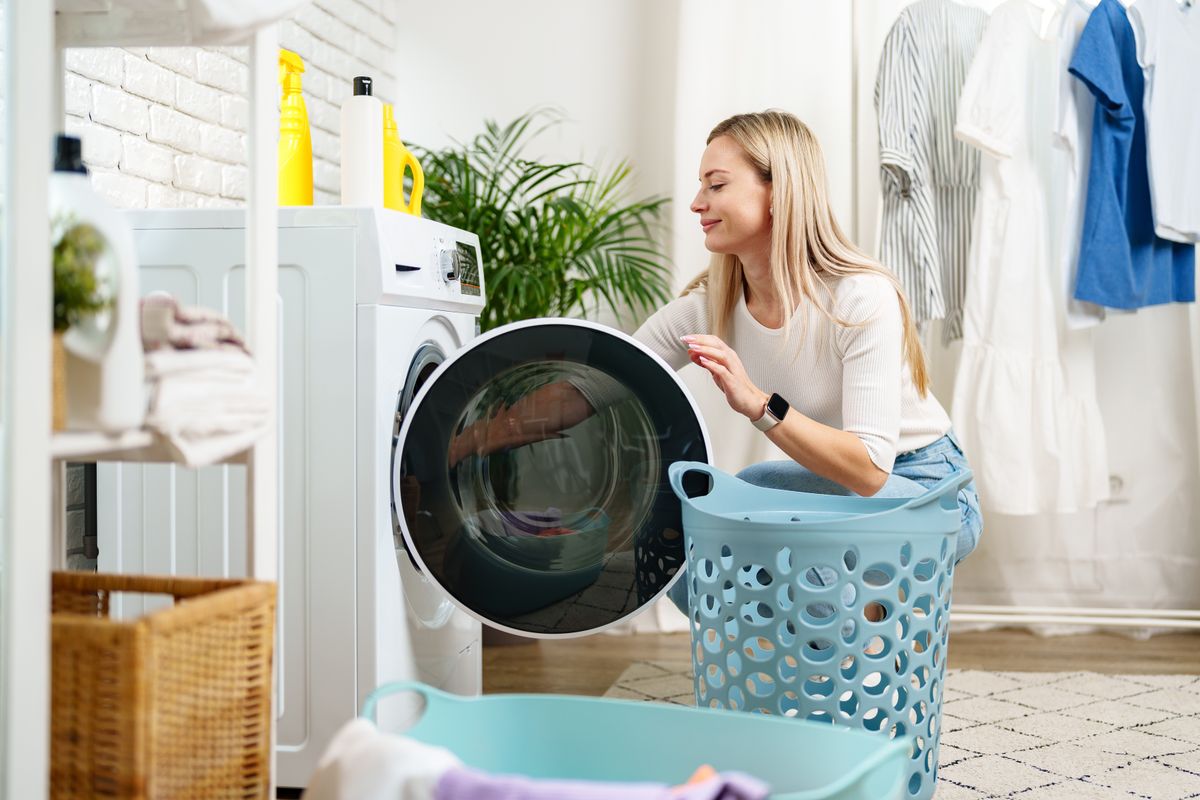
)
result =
(1122, 263)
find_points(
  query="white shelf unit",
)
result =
(36, 34)
(142, 445)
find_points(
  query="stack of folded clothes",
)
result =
(204, 397)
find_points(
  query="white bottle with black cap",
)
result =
(362, 147)
(105, 362)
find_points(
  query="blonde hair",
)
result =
(807, 244)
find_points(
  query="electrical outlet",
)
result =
(1116, 490)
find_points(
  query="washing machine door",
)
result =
(533, 476)
(426, 603)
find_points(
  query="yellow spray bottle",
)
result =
(295, 141)
(396, 158)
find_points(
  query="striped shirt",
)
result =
(929, 179)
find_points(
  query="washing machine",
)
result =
(371, 303)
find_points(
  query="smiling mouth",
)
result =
(707, 226)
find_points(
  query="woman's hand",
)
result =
(728, 373)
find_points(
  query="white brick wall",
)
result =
(165, 127)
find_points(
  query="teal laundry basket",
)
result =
(825, 608)
(594, 739)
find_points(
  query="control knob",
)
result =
(448, 263)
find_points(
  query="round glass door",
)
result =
(532, 476)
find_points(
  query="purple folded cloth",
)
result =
(463, 783)
(168, 325)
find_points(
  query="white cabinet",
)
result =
(167, 519)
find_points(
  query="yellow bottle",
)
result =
(295, 141)
(396, 158)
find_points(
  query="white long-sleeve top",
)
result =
(853, 378)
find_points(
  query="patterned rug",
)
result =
(1032, 735)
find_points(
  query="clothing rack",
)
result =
(1178, 620)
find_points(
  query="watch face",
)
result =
(777, 406)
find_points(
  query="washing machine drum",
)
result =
(532, 476)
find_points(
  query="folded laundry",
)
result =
(232, 364)
(167, 324)
(205, 403)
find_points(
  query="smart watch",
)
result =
(776, 410)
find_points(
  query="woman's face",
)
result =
(733, 202)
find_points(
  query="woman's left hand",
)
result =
(728, 373)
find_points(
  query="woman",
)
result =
(806, 336)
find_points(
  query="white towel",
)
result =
(363, 763)
(161, 363)
(206, 404)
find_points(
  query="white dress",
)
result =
(1030, 428)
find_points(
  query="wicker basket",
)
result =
(174, 704)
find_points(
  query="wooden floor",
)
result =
(589, 665)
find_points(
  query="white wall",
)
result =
(165, 127)
(609, 65)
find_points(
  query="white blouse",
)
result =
(852, 378)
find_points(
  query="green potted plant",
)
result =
(555, 237)
(77, 294)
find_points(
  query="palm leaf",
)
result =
(557, 238)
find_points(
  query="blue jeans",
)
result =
(912, 474)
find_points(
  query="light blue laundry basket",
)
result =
(826, 608)
(597, 739)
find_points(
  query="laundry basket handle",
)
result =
(681, 469)
(944, 492)
(430, 695)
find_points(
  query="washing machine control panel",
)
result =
(419, 259)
